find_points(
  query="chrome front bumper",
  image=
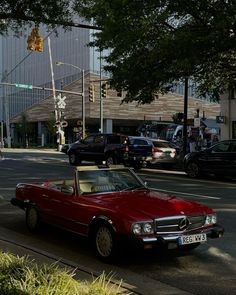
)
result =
(213, 233)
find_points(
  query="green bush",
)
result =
(21, 276)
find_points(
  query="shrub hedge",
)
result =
(22, 276)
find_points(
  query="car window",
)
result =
(89, 139)
(111, 139)
(140, 141)
(99, 139)
(221, 147)
(161, 144)
(107, 180)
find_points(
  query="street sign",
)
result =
(27, 86)
(64, 124)
(61, 101)
(220, 119)
(197, 122)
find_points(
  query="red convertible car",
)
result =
(113, 206)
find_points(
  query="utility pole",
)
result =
(185, 116)
(101, 97)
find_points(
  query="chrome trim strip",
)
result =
(146, 240)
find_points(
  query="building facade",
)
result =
(228, 115)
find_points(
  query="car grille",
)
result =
(176, 224)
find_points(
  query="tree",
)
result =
(157, 43)
(178, 118)
(16, 14)
(51, 130)
(152, 43)
(25, 130)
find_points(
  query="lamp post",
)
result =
(58, 63)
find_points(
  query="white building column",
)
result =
(228, 110)
(108, 126)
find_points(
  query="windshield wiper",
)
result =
(133, 188)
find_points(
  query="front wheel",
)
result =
(32, 219)
(110, 160)
(104, 242)
(192, 170)
(73, 159)
(138, 166)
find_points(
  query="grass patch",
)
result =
(21, 276)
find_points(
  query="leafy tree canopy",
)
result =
(157, 42)
(153, 43)
(15, 14)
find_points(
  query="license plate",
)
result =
(198, 238)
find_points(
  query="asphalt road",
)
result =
(209, 269)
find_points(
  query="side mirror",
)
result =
(67, 189)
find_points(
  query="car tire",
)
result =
(105, 242)
(73, 159)
(110, 160)
(32, 219)
(137, 166)
(192, 170)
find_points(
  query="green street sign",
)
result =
(27, 86)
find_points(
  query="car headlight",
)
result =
(143, 228)
(210, 219)
(137, 229)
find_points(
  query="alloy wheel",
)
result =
(104, 242)
(192, 170)
(32, 218)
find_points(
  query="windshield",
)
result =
(107, 180)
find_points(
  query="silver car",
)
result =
(163, 153)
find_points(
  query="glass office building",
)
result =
(21, 66)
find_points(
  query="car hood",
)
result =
(149, 204)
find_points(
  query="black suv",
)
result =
(220, 160)
(98, 147)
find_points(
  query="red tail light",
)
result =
(156, 150)
(126, 149)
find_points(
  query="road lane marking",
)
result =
(186, 194)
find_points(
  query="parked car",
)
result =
(137, 151)
(66, 147)
(163, 153)
(219, 159)
(115, 209)
(98, 147)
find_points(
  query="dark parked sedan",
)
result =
(219, 159)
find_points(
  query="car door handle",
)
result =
(45, 196)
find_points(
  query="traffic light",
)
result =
(104, 90)
(30, 42)
(39, 44)
(35, 41)
(92, 93)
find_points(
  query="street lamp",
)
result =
(59, 63)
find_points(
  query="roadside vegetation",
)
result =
(22, 276)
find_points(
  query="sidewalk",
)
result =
(31, 150)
